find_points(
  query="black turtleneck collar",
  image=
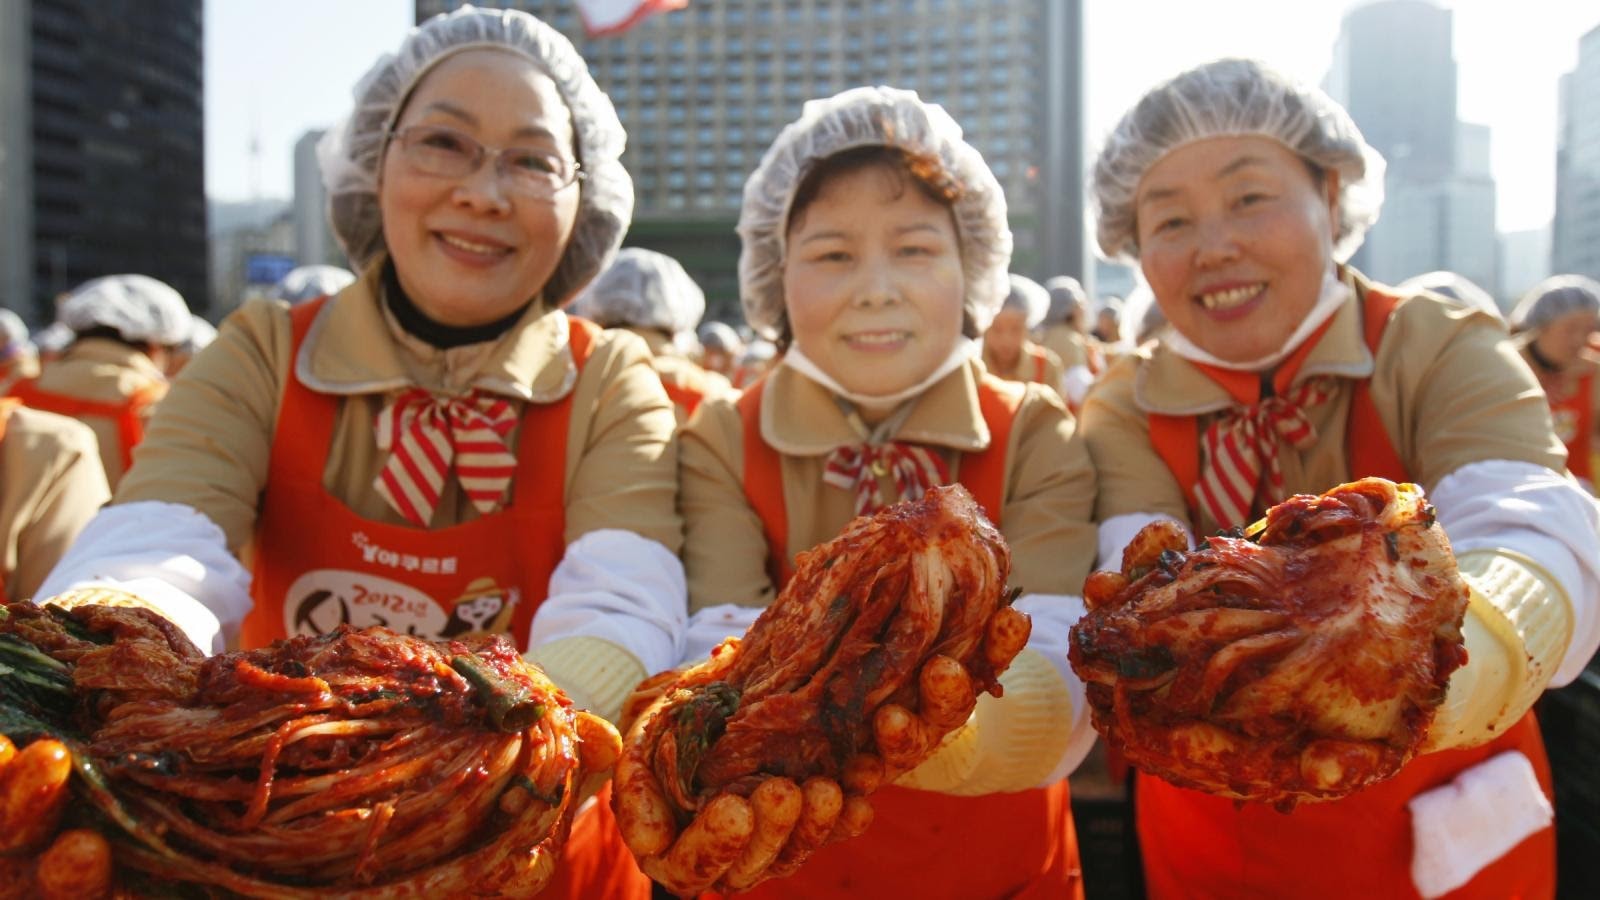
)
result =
(437, 334)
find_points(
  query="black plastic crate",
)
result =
(1570, 720)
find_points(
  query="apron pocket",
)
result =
(1459, 828)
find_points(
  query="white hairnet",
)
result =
(868, 117)
(13, 334)
(1553, 298)
(1456, 287)
(351, 154)
(1066, 298)
(644, 289)
(201, 334)
(139, 307)
(53, 338)
(759, 351)
(310, 282)
(720, 336)
(1029, 298)
(1234, 98)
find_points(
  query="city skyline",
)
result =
(259, 81)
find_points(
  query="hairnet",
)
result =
(1029, 298)
(1235, 98)
(1553, 298)
(310, 282)
(720, 336)
(644, 289)
(201, 334)
(866, 117)
(1455, 287)
(139, 307)
(13, 334)
(351, 154)
(53, 338)
(759, 351)
(1066, 298)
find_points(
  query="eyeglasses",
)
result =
(447, 153)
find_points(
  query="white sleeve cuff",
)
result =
(1504, 505)
(622, 587)
(1053, 617)
(714, 624)
(1117, 532)
(169, 555)
(1075, 385)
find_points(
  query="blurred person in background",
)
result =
(1108, 322)
(720, 349)
(1065, 332)
(1240, 194)
(126, 329)
(757, 359)
(19, 359)
(1007, 352)
(310, 282)
(650, 294)
(440, 423)
(1554, 323)
(1456, 287)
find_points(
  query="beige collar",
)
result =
(801, 418)
(104, 351)
(1168, 384)
(356, 347)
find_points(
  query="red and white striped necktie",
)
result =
(425, 435)
(858, 468)
(1239, 461)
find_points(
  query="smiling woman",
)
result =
(875, 246)
(1240, 193)
(438, 448)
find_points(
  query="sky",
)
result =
(278, 68)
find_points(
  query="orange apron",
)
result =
(128, 414)
(686, 399)
(1039, 363)
(1198, 845)
(923, 844)
(1574, 423)
(319, 565)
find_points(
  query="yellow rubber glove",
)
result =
(596, 673)
(1519, 622)
(1009, 744)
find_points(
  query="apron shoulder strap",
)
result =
(763, 484)
(1370, 449)
(984, 473)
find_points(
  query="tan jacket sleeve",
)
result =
(211, 437)
(1131, 475)
(1048, 498)
(725, 548)
(51, 484)
(626, 474)
(1453, 390)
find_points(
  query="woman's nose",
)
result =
(877, 285)
(482, 192)
(1216, 243)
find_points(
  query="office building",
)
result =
(1575, 239)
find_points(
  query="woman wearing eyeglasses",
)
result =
(437, 448)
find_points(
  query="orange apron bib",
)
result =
(319, 565)
(1574, 424)
(128, 414)
(922, 844)
(1198, 845)
(685, 398)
